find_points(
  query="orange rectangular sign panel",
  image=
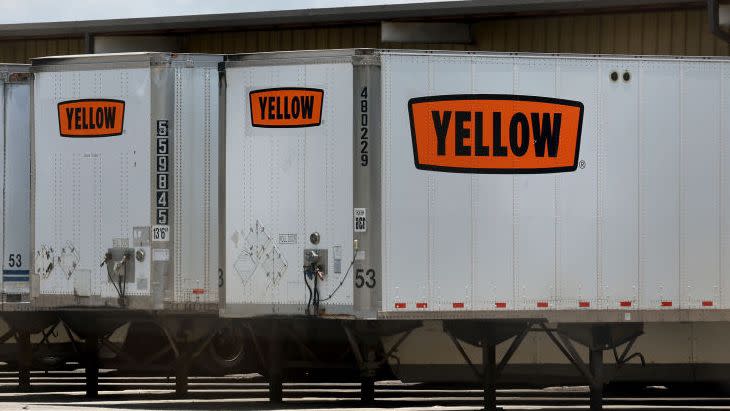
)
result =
(495, 133)
(286, 107)
(91, 118)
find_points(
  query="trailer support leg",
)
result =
(25, 358)
(489, 374)
(276, 386)
(597, 338)
(365, 356)
(488, 334)
(182, 371)
(596, 367)
(91, 349)
(367, 378)
(367, 390)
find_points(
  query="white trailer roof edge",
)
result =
(14, 68)
(577, 56)
(11, 73)
(121, 60)
(236, 59)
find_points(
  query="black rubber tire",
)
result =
(227, 353)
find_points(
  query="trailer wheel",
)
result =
(226, 352)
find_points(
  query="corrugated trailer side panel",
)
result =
(15, 109)
(724, 189)
(140, 199)
(701, 175)
(659, 177)
(4, 132)
(285, 185)
(90, 192)
(576, 197)
(195, 202)
(617, 172)
(639, 224)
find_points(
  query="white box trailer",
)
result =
(124, 181)
(288, 180)
(602, 190)
(470, 198)
(19, 319)
(15, 162)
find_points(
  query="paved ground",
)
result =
(64, 391)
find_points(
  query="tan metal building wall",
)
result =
(678, 32)
(21, 51)
(682, 32)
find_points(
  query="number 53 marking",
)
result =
(364, 278)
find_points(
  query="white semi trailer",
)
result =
(15, 128)
(455, 205)
(125, 202)
(20, 324)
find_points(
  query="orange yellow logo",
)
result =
(91, 118)
(495, 133)
(286, 107)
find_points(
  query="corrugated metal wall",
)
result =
(683, 32)
(21, 51)
(680, 32)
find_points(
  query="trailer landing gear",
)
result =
(185, 348)
(270, 355)
(597, 338)
(25, 358)
(367, 377)
(276, 385)
(182, 371)
(595, 363)
(487, 334)
(22, 325)
(91, 365)
(364, 339)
